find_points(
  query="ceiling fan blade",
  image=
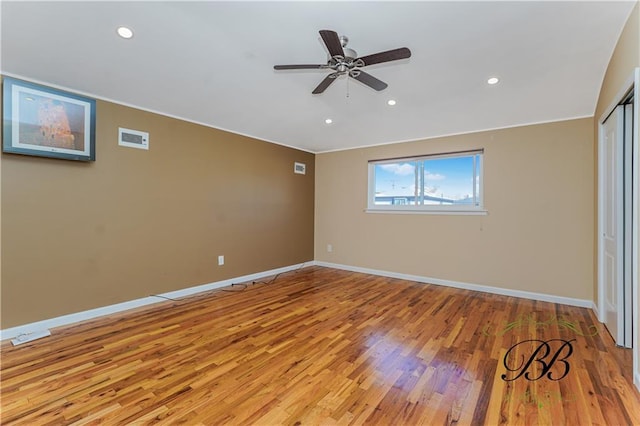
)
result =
(370, 81)
(332, 41)
(389, 55)
(299, 67)
(325, 83)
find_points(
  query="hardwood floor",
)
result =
(324, 346)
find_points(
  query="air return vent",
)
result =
(133, 138)
(300, 168)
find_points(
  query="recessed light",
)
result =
(493, 80)
(125, 32)
(391, 102)
(328, 121)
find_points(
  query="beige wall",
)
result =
(538, 235)
(625, 58)
(77, 236)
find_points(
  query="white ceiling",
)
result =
(212, 63)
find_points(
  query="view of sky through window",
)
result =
(440, 180)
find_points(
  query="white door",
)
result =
(613, 237)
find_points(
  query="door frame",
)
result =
(617, 182)
(632, 83)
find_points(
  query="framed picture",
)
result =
(46, 122)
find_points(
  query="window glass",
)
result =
(430, 182)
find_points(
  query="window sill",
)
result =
(475, 212)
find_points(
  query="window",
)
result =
(446, 183)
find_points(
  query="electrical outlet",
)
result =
(220, 260)
(329, 248)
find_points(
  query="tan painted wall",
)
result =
(77, 236)
(537, 237)
(625, 58)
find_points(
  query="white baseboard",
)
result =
(40, 326)
(596, 311)
(583, 303)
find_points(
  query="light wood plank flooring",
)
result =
(324, 346)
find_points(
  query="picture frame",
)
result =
(47, 122)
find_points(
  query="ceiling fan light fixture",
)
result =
(493, 80)
(125, 32)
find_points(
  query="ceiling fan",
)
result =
(343, 60)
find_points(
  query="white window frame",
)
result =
(462, 209)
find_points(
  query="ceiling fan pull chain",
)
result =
(347, 86)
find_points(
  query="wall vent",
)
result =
(300, 168)
(133, 138)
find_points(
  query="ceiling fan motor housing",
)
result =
(346, 63)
